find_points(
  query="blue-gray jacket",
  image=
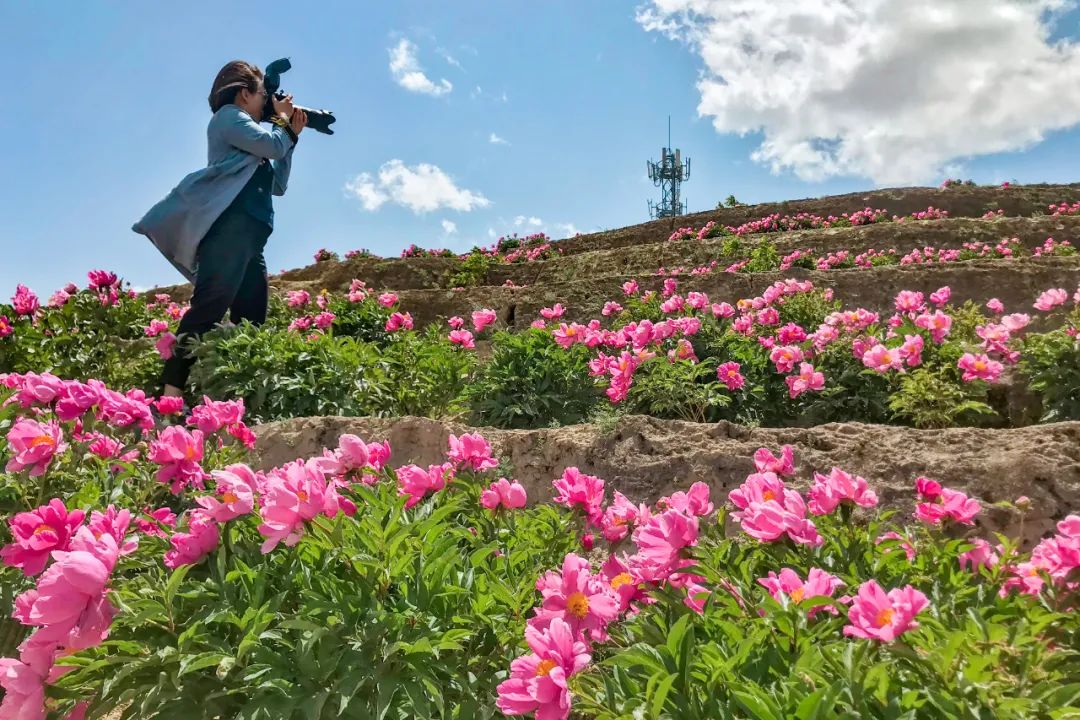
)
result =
(235, 144)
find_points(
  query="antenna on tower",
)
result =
(668, 175)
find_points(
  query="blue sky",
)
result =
(105, 111)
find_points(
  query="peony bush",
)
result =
(153, 570)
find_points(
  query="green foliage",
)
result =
(86, 339)
(531, 382)
(284, 374)
(474, 269)
(1051, 363)
(678, 390)
(426, 374)
(734, 245)
(937, 399)
(752, 657)
(763, 258)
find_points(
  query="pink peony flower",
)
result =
(941, 297)
(938, 323)
(995, 306)
(414, 483)
(567, 335)
(927, 488)
(114, 523)
(660, 541)
(577, 489)
(1015, 322)
(37, 533)
(882, 359)
(209, 416)
(192, 546)
(298, 298)
(553, 313)
(577, 597)
(294, 494)
(464, 338)
(388, 299)
(950, 505)
(482, 318)
(179, 453)
(788, 583)
(838, 487)
(729, 374)
(166, 345)
(235, 490)
(785, 357)
(170, 405)
(620, 517)
(877, 615)
(630, 287)
(611, 308)
(1051, 299)
(979, 367)
(537, 682)
(33, 445)
(162, 517)
(503, 493)
(693, 502)
(766, 462)
(982, 555)
(807, 379)
(471, 451)
(24, 301)
(908, 301)
(398, 321)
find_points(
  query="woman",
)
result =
(213, 226)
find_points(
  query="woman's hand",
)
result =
(284, 107)
(299, 121)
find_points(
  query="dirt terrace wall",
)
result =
(645, 458)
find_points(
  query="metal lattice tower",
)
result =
(668, 175)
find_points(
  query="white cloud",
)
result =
(894, 90)
(450, 59)
(407, 72)
(449, 227)
(496, 140)
(566, 230)
(491, 232)
(421, 188)
(531, 221)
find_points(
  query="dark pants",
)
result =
(230, 275)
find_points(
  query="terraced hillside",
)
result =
(707, 469)
(952, 248)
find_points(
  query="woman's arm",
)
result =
(242, 132)
(281, 173)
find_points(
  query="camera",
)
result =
(317, 119)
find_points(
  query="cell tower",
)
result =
(668, 175)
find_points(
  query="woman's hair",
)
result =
(230, 80)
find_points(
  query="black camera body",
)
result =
(317, 119)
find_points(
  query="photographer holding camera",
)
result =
(214, 225)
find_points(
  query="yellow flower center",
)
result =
(884, 617)
(768, 495)
(302, 496)
(797, 594)
(42, 529)
(545, 667)
(190, 452)
(577, 604)
(980, 365)
(229, 497)
(621, 579)
(42, 440)
(571, 331)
